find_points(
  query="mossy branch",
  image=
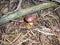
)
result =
(14, 15)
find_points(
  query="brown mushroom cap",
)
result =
(30, 17)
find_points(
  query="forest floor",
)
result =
(45, 30)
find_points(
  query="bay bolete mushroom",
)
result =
(30, 18)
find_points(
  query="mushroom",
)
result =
(30, 18)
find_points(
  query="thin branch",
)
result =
(19, 5)
(14, 15)
(45, 33)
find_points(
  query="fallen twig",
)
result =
(45, 33)
(14, 15)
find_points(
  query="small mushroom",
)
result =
(30, 18)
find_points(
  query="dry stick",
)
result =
(45, 33)
(18, 37)
(19, 5)
(14, 15)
